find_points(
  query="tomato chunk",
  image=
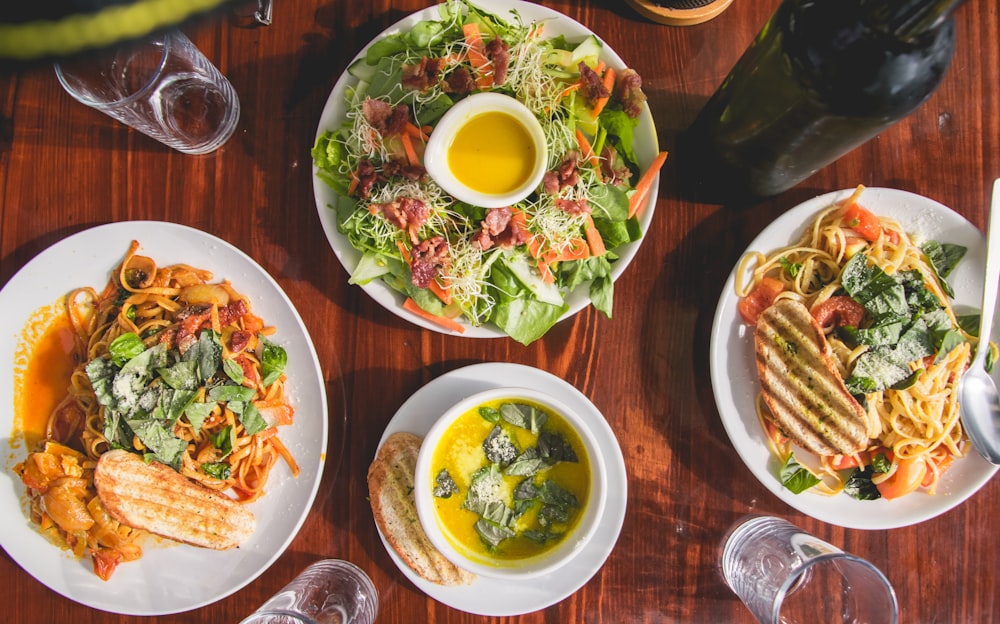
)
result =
(839, 311)
(907, 478)
(759, 299)
(862, 221)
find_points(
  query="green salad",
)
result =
(457, 264)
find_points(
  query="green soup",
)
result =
(511, 479)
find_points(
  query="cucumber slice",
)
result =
(588, 51)
(530, 279)
(361, 70)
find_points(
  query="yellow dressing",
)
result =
(492, 153)
(460, 451)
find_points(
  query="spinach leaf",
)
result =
(498, 447)
(859, 485)
(444, 485)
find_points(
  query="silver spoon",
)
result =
(978, 398)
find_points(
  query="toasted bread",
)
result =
(801, 384)
(390, 489)
(156, 498)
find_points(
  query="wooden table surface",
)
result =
(65, 168)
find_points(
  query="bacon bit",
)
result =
(502, 227)
(421, 76)
(384, 117)
(401, 168)
(630, 92)
(499, 53)
(428, 258)
(232, 312)
(406, 213)
(459, 81)
(565, 175)
(573, 207)
(367, 177)
(250, 377)
(592, 87)
(239, 340)
(612, 174)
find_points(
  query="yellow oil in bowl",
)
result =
(492, 153)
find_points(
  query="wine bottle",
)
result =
(821, 78)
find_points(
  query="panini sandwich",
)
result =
(801, 385)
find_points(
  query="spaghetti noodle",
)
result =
(169, 366)
(911, 403)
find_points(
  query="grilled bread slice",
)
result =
(156, 498)
(390, 489)
(801, 384)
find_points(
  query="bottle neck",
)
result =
(908, 19)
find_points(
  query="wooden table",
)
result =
(65, 168)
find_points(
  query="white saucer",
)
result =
(494, 597)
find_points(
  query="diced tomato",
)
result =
(759, 299)
(840, 310)
(862, 221)
(857, 460)
(908, 477)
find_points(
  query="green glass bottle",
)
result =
(821, 78)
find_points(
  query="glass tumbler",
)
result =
(331, 591)
(163, 86)
(784, 575)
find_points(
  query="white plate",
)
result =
(495, 597)
(734, 373)
(645, 144)
(169, 578)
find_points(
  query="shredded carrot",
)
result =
(546, 271)
(441, 290)
(577, 249)
(354, 184)
(588, 151)
(404, 252)
(638, 199)
(609, 84)
(536, 30)
(413, 131)
(411, 152)
(599, 67)
(594, 239)
(443, 321)
(477, 56)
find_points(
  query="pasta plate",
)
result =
(645, 145)
(734, 373)
(169, 578)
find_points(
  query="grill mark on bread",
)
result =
(390, 489)
(801, 384)
(156, 498)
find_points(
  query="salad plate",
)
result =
(734, 373)
(555, 24)
(169, 577)
(499, 597)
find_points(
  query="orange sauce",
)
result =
(40, 386)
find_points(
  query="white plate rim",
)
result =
(496, 597)
(169, 578)
(734, 379)
(646, 147)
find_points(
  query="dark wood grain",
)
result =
(64, 168)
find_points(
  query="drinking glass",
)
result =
(786, 576)
(331, 591)
(163, 86)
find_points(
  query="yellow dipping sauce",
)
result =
(461, 452)
(492, 153)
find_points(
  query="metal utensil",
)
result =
(978, 398)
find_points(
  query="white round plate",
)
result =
(734, 372)
(169, 578)
(645, 144)
(496, 597)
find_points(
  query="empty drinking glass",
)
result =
(784, 575)
(327, 592)
(162, 86)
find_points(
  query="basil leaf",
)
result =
(217, 470)
(197, 413)
(795, 477)
(498, 447)
(224, 440)
(233, 370)
(232, 393)
(251, 419)
(881, 463)
(125, 347)
(273, 360)
(524, 416)
(490, 414)
(206, 353)
(444, 485)
(860, 485)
